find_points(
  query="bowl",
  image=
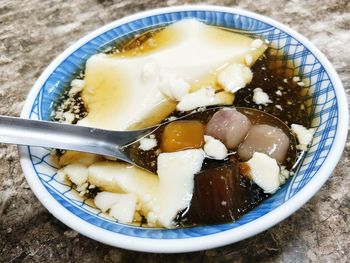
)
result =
(330, 118)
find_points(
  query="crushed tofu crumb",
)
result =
(77, 85)
(304, 136)
(72, 107)
(296, 79)
(120, 206)
(234, 77)
(279, 107)
(260, 97)
(147, 144)
(204, 97)
(82, 187)
(214, 148)
(77, 173)
(284, 174)
(68, 117)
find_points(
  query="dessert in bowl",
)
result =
(304, 67)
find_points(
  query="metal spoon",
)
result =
(117, 144)
(68, 137)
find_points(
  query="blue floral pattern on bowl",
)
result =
(304, 62)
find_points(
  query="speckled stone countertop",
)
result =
(34, 32)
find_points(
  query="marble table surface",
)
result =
(34, 32)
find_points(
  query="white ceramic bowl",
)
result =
(330, 118)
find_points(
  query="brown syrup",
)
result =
(271, 80)
(289, 105)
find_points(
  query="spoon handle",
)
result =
(67, 137)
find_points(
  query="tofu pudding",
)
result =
(209, 169)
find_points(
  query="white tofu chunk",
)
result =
(122, 178)
(304, 136)
(123, 91)
(204, 97)
(105, 200)
(124, 209)
(77, 173)
(235, 76)
(121, 206)
(260, 97)
(147, 144)
(164, 195)
(176, 172)
(214, 148)
(265, 172)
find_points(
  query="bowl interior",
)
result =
(302, 61)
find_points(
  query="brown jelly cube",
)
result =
(219, 195)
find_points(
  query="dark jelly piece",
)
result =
(220, 195)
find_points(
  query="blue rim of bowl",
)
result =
(219, 238)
